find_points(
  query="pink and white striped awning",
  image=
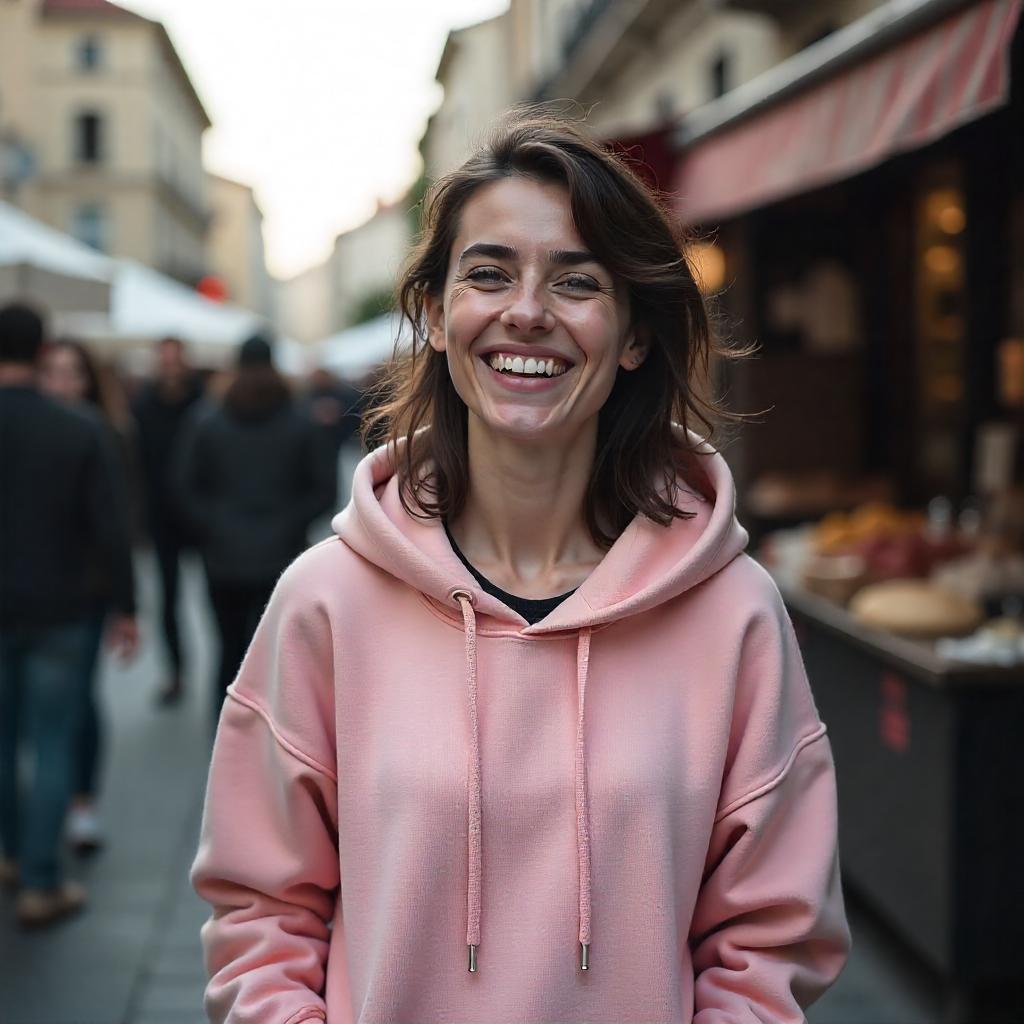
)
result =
(899, 100)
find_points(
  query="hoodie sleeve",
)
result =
(769, 930)
(268, 859)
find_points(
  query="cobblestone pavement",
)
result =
(133, 957)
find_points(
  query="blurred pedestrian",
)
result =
(160, 411)
(70, 373)
(62, 511)
(334, 407)
(534, 702)
(251, 478)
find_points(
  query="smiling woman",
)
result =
(544, 216)
(530, 739)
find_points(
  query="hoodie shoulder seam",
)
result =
(776, 780)
(282, 740)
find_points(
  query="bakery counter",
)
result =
(918, 656)
(929, 768)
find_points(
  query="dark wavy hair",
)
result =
(641, 457)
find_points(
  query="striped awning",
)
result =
(898, 100)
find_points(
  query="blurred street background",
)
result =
(211, 202)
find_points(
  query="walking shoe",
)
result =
(35, 908)
(83, 830)
(8, 873)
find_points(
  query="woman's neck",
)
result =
(523, 524)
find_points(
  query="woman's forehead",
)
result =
(520, 213)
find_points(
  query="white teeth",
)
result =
(526, 366)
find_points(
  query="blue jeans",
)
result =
(41, 671)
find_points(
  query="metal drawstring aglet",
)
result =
(472, 959)
(584, 956)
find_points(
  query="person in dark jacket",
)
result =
(336, 408)
(251, 477)
(160, 411)
(70, 373)
(63, 509)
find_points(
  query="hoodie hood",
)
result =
(646, 566)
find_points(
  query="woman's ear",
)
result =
(636, 349)
(434, 307)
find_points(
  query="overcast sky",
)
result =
(318, 104)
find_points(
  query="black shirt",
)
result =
(160, 420)
(63, 513)
(533, 610)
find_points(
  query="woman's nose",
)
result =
(527, 311)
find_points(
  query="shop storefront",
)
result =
(867, 198)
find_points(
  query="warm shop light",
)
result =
(951, 219)
(708, 262)
(1011, 373)
(944, 208)
(942, 259)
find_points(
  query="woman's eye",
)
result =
(485, 275)
(580, 282)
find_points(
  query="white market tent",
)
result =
(145, 305)
(118, 305)
(46, 267)
(356, 352)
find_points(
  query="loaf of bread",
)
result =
(915, 608)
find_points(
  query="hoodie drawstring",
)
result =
(473, 885)
(475, 870)
(582, 818)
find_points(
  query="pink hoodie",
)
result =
(626, 811)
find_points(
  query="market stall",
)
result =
(921, 682)
(120, 307)
(48, 268)
(867, 197)
(146, 305)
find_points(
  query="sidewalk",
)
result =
(134, 958)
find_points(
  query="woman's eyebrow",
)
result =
(489, 249)
(571, 257)
(497, 251)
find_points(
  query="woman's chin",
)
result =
(527, 427)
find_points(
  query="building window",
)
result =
(88, 53)
(90, 224)
(89, 138)
(721, 74)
